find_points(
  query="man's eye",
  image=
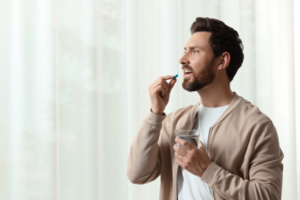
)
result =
(195, 51)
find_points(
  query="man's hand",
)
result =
(160, 93)
(195, 160)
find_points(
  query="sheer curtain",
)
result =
(74, 79)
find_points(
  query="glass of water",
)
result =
(191, 136)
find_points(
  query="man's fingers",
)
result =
(180, 157)
(160, 89)
(163, 79)
(164, 84)
(179, 150)
(184, 143)
(171, 85)
(201, 145)
(167, 77)
(181, 164)
(160, 81)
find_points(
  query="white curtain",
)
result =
(74, 79)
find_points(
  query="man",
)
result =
(239, 156)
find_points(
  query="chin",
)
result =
(194, 86)
(190, 87)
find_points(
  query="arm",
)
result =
(144, 156)
(265, 170)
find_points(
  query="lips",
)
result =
(187, 72)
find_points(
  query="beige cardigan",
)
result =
(242, 145)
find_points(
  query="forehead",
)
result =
(199, 39)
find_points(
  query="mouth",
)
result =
(187, 72)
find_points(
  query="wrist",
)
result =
(156, 112)
(205, 168)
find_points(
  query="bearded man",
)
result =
(238, 156)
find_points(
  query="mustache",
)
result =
(187, 67)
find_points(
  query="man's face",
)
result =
(198, 62)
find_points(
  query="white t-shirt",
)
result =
(189, 186)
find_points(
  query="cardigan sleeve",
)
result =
(144, 155)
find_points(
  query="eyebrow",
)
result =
(192, 47)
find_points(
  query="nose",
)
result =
(184, 60)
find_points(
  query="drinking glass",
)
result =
(191, 136)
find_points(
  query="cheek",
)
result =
(198, 65)
(201, 66)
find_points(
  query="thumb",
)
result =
(200, 145)
(171, 85)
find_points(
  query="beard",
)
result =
(199, 80)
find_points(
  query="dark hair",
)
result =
(222, 39)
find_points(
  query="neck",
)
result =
(216, 95)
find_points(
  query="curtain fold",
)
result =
(296, 43)
(74, 87)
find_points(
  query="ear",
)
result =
(224, 60)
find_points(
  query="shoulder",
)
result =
(253, 125)
(250, 113)
(247, 119)
(250, 120)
